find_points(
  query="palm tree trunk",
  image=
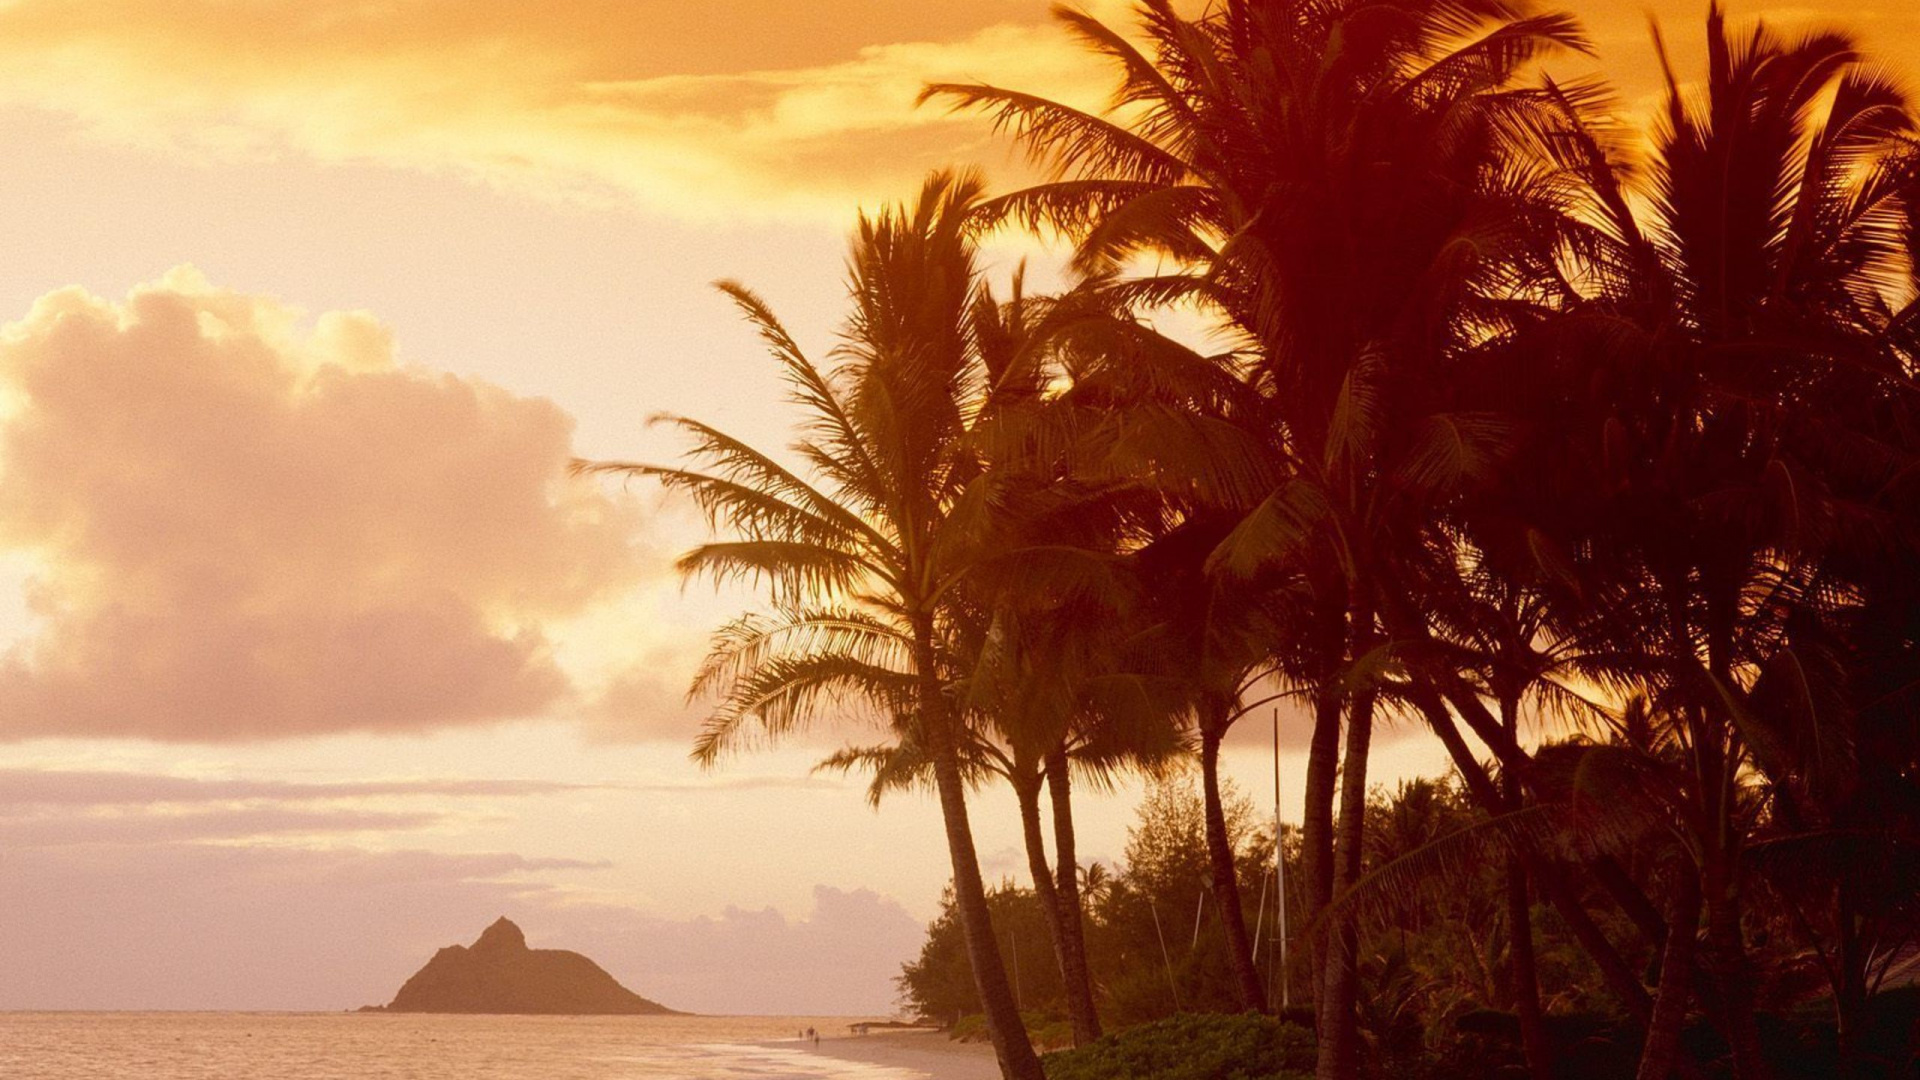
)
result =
(1457, 693)
(1339, 1027)
(1522, 971)
(1074, 967)
(1546, 875)
(1316, 830)
(1004, 1026)
(1226, 878)
(1661, 1051)
(1026, 790)
(1632, 900)
(1850, 993)
(1726, 944)
(1733, 975)
(1433, 691)
(1525, 975)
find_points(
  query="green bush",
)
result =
(1192, 1046)
(1046, 1032)
(1050, 1034)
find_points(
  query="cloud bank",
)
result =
(271, 894)
(725, 108)
(247, 528)
(248, 927)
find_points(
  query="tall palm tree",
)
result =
(1328, 176)
(864, 557)
(1738, 331)
(1498, 617)
(1049, 702)
(1216, 648)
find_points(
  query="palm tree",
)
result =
(866, 557)
(1736, 328)
(1213, 647)
(1331, 178)
(1048, 702)
(1499, 620)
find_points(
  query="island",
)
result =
(499, 974)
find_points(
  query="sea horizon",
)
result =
(240, 1045)
(382, 1011)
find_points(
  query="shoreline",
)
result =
(929, 1053)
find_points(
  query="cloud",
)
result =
(264, 894)
(69, 788)
(840, 959)
(725, 108)
(240, 823)
(55, 808)
(717, 110)
(232, 927)
(646, 702)
(247, 527)
(25, 792)
(719, 784)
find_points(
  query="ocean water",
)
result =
(373, 1046)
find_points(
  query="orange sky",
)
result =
(314, 662)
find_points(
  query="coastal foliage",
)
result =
(1588, 452)
(1193, 1046)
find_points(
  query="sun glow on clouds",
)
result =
(731, 117)
(248, 529)
(725, 110)
(323, 893)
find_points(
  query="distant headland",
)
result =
(499, 974)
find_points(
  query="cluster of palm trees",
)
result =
(1522, 412)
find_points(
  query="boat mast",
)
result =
(1280, 861)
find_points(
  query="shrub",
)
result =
(1050, 1035)
(1192, 1046)
(1047, 1033)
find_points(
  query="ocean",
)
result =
(374, 1046)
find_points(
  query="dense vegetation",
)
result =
(1193, 1046)
(1593, 455)
(1155, 896)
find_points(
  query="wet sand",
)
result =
(928, 1052)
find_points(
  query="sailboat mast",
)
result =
(1280, 862)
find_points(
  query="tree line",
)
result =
(1589, 447)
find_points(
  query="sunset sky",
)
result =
(314, 659)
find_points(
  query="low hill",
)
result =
(499, 974)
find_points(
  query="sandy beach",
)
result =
(928, 1052)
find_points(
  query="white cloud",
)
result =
(247, 528)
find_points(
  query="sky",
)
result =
(312, 659)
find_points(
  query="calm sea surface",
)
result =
(349, 1046)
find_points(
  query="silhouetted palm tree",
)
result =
(1048, 702)
(1328, 176)
(866, 561)
(1737, 331)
